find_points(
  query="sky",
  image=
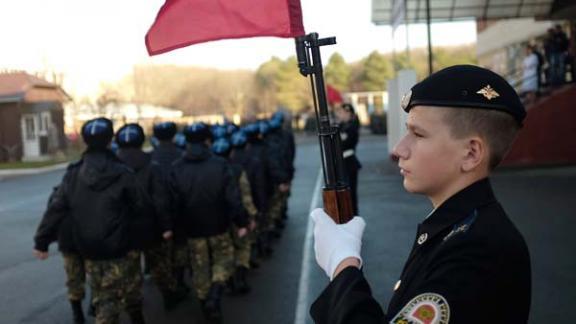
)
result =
(100, 41)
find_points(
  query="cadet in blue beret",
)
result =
(95, 203)
(469, 263)
(209, 204)
(150, 231)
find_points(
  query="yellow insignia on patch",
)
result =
(488, 92)
(427, 308)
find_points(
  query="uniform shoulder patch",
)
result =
(426, 308)
(463, 226)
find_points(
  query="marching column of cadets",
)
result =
(204, 205)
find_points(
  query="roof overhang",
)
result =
(387, 12)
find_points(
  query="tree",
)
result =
(377, 69)
(337, 72)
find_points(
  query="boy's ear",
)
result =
(476, 154)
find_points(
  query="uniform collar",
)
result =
(456, 209)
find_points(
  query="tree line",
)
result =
(276, 83)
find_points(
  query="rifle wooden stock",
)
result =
(338, 204)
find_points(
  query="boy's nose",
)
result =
(400, 151)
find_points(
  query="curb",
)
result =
(20, 172)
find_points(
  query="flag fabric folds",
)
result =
(180, 23)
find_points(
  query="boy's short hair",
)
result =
(497, 128)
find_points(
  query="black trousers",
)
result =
(351, 167)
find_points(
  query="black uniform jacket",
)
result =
(349, 136)
(55, 226)
(469, 264)
(99, 197)
(146, 228)
(165, 154)
(255, 168)
(259, 174)
(207, 196)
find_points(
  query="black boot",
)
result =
(265, 245)
(254, 262)
(92, 310)
(136, 316)
(212, 305)
(241, 283)
(77, 312)
(180, 282)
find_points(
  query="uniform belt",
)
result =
(348, 153)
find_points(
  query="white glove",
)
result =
(335, 242)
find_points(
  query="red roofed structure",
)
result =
(31, 117)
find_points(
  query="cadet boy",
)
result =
(99, 196)
(469, 263)
(208, 201)
(165, 153)
(151, 230)
(238, 283)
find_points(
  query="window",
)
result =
(30, 129)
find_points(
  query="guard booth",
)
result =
(31, 117)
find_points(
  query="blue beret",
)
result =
(238, 139)
(466, 86)
(97, 132)
(180, 141)
(264, 127)
(218, 131)
(275, 123)
(197, 132)
(251, 129)
(278, 116)
(130, 135)
(165, 131)
(221, 147)
(231, 128)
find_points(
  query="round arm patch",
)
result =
(427, 308)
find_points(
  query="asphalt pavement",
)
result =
(540, 201)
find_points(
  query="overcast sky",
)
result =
(100, 41)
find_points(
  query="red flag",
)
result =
(334, 96)
(181, 23)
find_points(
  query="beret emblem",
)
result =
(406, 99)
(488, 92)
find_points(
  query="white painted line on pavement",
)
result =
(302, 302)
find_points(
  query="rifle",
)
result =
(336, 191)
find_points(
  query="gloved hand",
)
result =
(335, 242)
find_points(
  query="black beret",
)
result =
(197, 132)
(466, 86)
(97, 132)
(130, 135)
(165, 131)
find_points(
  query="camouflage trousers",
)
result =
(108, 284)
(132, 300)
(180, 255)
(278, 203)
(159, 260)
(75, 275)
(212, 261)
(242, 247)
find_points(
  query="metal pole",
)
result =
(430, 58)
